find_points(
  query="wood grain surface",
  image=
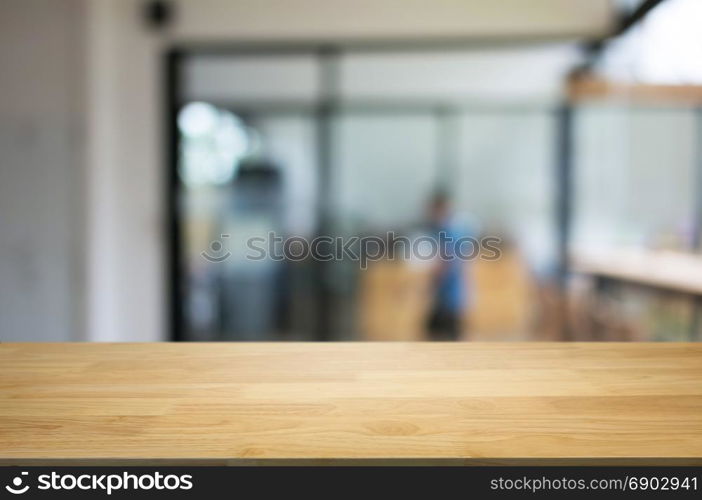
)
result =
(238, 402)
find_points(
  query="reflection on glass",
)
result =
(213, 143)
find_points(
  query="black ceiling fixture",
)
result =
(158, 14)
(594, 48)
(623, 25)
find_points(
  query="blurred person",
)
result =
(449, 290)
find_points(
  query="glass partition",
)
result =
(359, 144)
(635, 221)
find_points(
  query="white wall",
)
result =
(126, 179)
(124, 186)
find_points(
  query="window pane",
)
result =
(534, 73)
(251, 78)
(505, 178)
(634, 177)
(384, 168)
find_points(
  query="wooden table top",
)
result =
(238, 402)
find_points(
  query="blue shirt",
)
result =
(452, 289)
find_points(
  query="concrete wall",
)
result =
(41, 170)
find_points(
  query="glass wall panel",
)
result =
(634, 177)
(385, 168)
(252, 78)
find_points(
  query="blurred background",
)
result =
(143, 143)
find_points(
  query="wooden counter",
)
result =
(665, 270)
(242, 402)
